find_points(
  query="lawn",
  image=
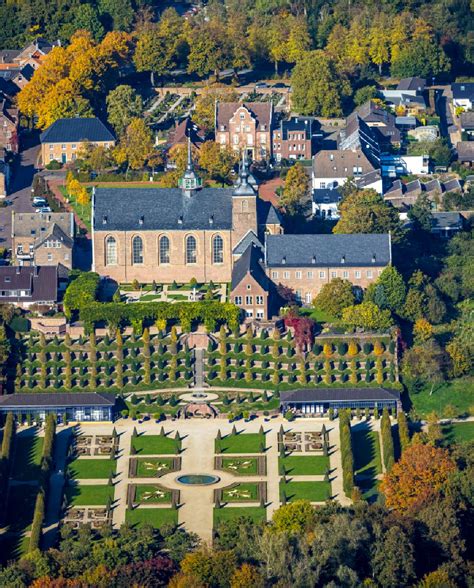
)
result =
(240, 466)
(367, 461)
(81, 468)
(152, 494)
(246, 492)
(458, 394)
(315, 465)
(156, 517)
(155, 445)
(458, 433)
(320, 316)
(241, 443)
(312, 491)
(28, 449)
(95, 495)
(227, 513)
(83, 212)
(151, 468)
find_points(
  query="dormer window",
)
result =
(180, 220)
(141, 220)
(242, 116)
(211, 220)
(104, 220)
(283, 260)
(313, 259)
(343, 259)
(373, 258)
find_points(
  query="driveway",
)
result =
(20, 187)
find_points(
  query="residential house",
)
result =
(446, 224)
(463, 95)
(381, 121)
(295, 138)
(184, 130)
(408, 97)
(245, 127)
(28, 286)
(412, 86)
(465, 150)
(305, 263)
(404, 195)
(359, 136)
(332, 168)
(63, 140)
(43, 239)
(9, 117)
(325, 203)
(467, 124)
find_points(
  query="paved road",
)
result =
(20, 187)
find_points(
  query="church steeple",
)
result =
(190, 181)
(243, 187)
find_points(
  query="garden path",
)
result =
(122, 480)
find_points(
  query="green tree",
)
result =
(216, 161)
(393, 560)
(365, 211)
(86, 18)
(117, 14)
(365, 94)
(295, 192)
(389, 291)
(422, 57)
(368, 316)
(294, 518)
(123, 105)
(335, 296)
(317, 86)
(137, 143)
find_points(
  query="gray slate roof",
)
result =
(326, 195)
(249, 262)
(414, 83)
(247, 240)
(446, 220)
(57, 399)
(162, 208)
(43, 286)
(267, 214)
(70, 130)
(463, 90)
(328, 250)
(338, 394)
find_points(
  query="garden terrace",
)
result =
(89, 494)
(153, 467)
(241, 465)
(156, 517)
(85, 468)
(151, 494)
(265, 362)
(367, 460)
(155, 444)
(104, 363)
(296, 465)
(242, 492)
(256, 514)
(312, 491)
(241, 443)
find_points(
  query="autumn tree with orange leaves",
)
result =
(420, 475)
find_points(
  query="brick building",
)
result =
(28, 286)
(43, 239)
(245, 127)
(295, 138)
(8, 125)
(250, 287)
(305, 263)
(63, 140)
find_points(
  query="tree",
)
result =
(217, 161)
(365, 94)
(422, 57)
(368, 316)
(123, 105)
(317, 87)
(83, 198)
(403, 431)
(393, 561)
(387, 441)
(335, 296)
(85, 17)
(118, 14)
(205, 106)
(389, 291)
(420, 214)
(137, 143)
(295, 518)
(295, 192)
(419, 475)
(247, 576)
(422, 330)
(211, 568)
(209, 48)
(365, 211)
(424, 363)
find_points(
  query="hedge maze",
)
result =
(247, 361)
(111, 364)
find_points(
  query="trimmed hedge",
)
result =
(347, 457)
(5, 460)
(403, 431)
(387, 441)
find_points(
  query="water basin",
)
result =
(197, 479)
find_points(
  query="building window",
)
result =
(191, 250)
(310, 275)
(259, 300)
(333, 274)
(298, 275)
(238, 300)
(260, 314)
(275, 275)
(249, 313)
(298, 295)
(249, 300)
(110, 251)
(74, 146)
(236, 139)
(322, 274)
(63, 147)
(322, 185)
(50, 257)
(217, 249)
(369, 274)
(345, 275)
(164, 247)
(286, 275)
(137, 250)
(308, 297)
(357, 275)
(244, 206)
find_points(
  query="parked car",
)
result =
(261, 85)
(39, 202)
(44, 209)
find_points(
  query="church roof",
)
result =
(148, 209)
(249, 263)
(248, 239)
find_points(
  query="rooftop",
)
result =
(70, 130)
(463, 90)
(249, 263)
(36, 224)
(39, 282)
(336, 163)
(446, 220)
(358, 250)
(417, 84)
(57, 400)
(261, 111)
(342, 394)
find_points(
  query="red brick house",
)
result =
(8, 125)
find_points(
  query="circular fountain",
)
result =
(197, 479)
